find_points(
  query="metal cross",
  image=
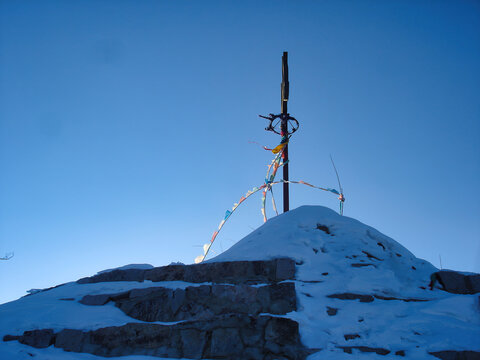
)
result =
(288, 125)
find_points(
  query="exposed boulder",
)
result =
(38, 338)
(456, 282)
(457, 355)
(95, 299)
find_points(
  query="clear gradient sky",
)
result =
(126, 127)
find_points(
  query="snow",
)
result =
(443, 321)
(34, 291)
(127, 267)
(295, 234)
(13, 351)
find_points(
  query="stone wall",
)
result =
(200, 302)
(231, 272)
(218, 321)
(230, 336)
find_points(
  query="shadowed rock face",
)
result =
(458, 283)
(369, 298)
(230, 336)
(200, 302)
(35, 338)
(457, 355)
(365, 349)
(232, 272)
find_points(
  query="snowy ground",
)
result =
(353, 258)
(445, 322)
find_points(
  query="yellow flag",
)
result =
(279, 148)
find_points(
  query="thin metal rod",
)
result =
(284, 128)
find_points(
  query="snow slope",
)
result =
(445, 322)
(334, 255)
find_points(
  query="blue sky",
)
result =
(126, 127)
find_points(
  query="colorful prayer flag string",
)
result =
(267, 186)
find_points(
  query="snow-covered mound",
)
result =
(360, 294)
(338, 255)
(356, 257)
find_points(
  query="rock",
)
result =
(253, 354)
(70, 340)
(365, 349)
(231, 336)
(323, 228)
(115, 275)
(357, 265)
(381, 297)
(250, 335)
(285, 269)
(456, 355)
(11, 338)
(282, 331)
(166, 273)
(95, 300)
(177, 300)
(193, 343)
(282, 298)
(225, 342)
(350, 296)
(233, 272)
(370, 256)
(331, 311)
(351, 336)
(368, 298)
(200, 302)
(37, 338)
(458, 283)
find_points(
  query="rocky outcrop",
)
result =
(36, 338)
(365, 349)
(457, 283)
(369, 298)
(457, 355)
(231, 272)
(200, 302)
(230, 336)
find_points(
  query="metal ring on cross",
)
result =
(276, 121)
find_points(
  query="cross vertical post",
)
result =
(284, 128)
(288, 125)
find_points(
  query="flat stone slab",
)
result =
(231, 272)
